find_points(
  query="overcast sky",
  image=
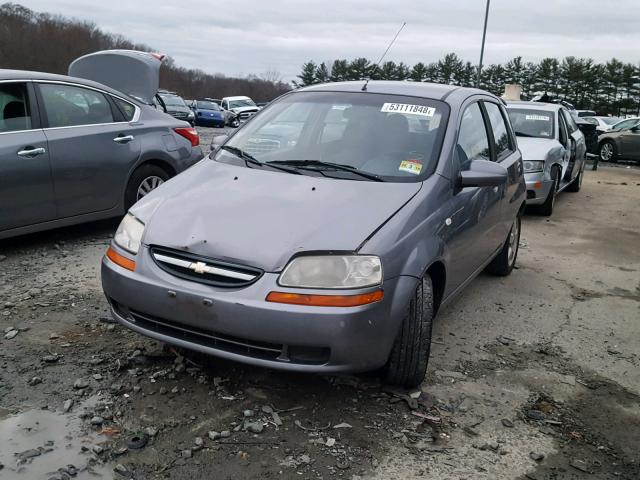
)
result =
(240, 37)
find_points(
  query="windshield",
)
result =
(528, 122)
(391, 137)
(173, 100)
(244, 102)
(207, 105)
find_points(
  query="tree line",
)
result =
(610, 88)
(49, 43)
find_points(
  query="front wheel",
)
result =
(504, 262)
(409, 356)
(143, 180)
(546, 208)
(608, 151)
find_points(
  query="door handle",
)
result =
(31, 152)
(123, 139)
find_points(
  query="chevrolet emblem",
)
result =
(199, 267)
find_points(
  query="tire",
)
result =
(608, 151)
(577, 182)
(407, 363)
(152, 174)
(504, 262)
(546, 208)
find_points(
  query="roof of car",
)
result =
(29, 75)
(549, 107)
(414, 89)
(240, 97)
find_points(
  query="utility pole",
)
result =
(484, 36)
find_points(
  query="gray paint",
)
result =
(83, 173)
(263, 218)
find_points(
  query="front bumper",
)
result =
(538, 187)
(238, 324)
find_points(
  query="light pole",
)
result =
(484, 36)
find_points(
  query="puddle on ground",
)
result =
(35, 444)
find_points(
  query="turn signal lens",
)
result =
(120, 260)
(325, 300)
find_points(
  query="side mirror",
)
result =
(218, 141)
(483, 173)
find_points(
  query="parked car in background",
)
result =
(553, 151)
(243, 107)
(73, 150)
(622, 143)
(603, 124)
(585, 113)
(625, 124)
(207, 114)
(175, 106)
(364, 234)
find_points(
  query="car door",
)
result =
(578, 146)
(91, 145)
(26, 187)
(504, 152)
(629, 141)
(565, 141)
(472, 211)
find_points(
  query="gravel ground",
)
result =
(532, 376)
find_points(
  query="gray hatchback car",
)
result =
(73, 150)
(331, 247)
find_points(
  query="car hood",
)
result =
(261, 218)
(178, 108)
(135, 73)
(537, 148)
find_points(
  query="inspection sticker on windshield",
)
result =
(411, 166)
(537, 117)
(408, 108)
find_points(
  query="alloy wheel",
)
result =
(147, 185)
(606, 152)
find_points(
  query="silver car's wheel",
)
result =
(147, 185)
(505, 260)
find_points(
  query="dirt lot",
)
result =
(533, 376)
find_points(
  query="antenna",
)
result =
(364, 87)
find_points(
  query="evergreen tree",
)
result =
(339, 71)
(322, 73)
(308, 74)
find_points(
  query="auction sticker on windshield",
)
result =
(537, 117)
(408, 108)
(411, 166)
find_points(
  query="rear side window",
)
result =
(14, 108)
(127, 109)
(473, 143)
(68, 106)
(501, 135)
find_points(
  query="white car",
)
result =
(243, 107)
(603, 124)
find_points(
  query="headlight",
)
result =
(129, 233)
(532, 166)
(191, 115)
(332, 271)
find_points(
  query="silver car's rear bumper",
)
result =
(238, 324)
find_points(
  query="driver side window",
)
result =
(473, 142)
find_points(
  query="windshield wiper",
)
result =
(522, 134)
(319, 165)
(250, 159)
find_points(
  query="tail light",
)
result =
(190, 134)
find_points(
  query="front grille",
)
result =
(197, 268)
(258, 145)
(180, 115)
(228, 343)
(206, 338)
(246, 115)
